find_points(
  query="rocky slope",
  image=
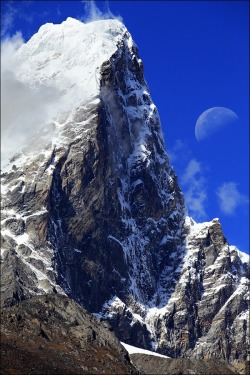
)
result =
(52, 334)
(154, 363)
(92, 209)
(182, 366)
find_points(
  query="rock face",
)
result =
(93, 209)
(52, 334)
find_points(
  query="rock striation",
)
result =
(92, 209)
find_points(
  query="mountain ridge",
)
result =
(94, 211)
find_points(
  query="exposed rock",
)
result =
(52, 334)
(203, 308)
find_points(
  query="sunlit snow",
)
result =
(133, 350)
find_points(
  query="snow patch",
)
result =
(133, 349)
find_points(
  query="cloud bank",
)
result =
(23, 109)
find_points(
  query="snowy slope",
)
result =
(69, 56)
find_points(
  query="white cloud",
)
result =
(175, 151)
(179, 154)
(192, 169)
(192, 180)
(193, 185)
(93, 13)
(195, 201)
(230, 198)
(23, 109)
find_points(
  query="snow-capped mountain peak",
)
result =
(92, 209)
(68, 56)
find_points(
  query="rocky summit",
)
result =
(92, 209)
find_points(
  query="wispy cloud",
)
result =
(193, 168)
(13, 11)
(230, 198)
(9, 13)
(194, 189)
(58, 11)
(191, 177)
(179, 153)
(94, 13)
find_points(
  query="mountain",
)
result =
(92, 209)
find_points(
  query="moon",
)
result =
(212, 120)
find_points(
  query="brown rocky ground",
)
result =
(185, 366)
(54, 335)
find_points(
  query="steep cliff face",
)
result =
(93, 209)
(84, 197)
(206, 308)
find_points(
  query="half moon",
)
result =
(213, 119)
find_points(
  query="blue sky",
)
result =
(195, 56)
